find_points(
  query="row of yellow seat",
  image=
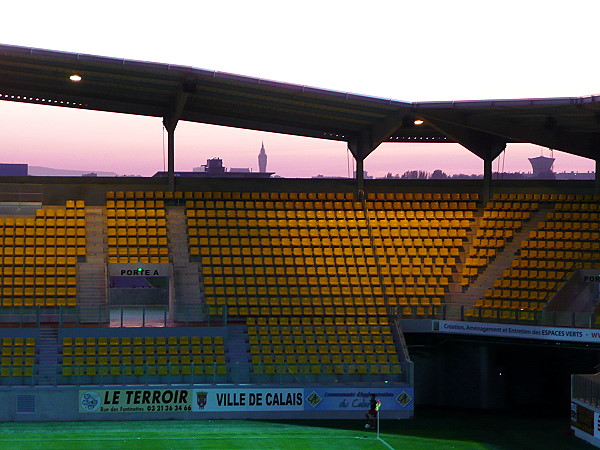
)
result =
(138, 259)
(139, 214)
(512, 206)
(550, 234)
(286, 335)
(327, 369)
(307, 321)
(17, 361)
(18, 342)
(322, 349)
(420, 208)
(135, 204)
(140, 195)
(142, 341)
(125, 229)
(39, 266)
(563, 246)
(583, 206)
(418, 311)
(16, 371)
(584, 216)
(539, 197)
(161, 370)
(40, 225)
(275, 209)
(141, 360)
(425, 196)
(322, 358)
(531, 274)
(246, 195)
(344, 313)
(489, 214)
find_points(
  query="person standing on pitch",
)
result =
(371, 415)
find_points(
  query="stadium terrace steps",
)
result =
(48, 356)
(185, 273)
(91, 275)
(238, 349)
(503, 261)
(565, 240)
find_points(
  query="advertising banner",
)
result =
(347, 399)
(275, 399)
(214, 399)
(135, 400)
(517, 331)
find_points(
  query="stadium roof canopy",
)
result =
(176, 93)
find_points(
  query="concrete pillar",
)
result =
(360, 179)
(487, 179)
(597, 178)
(171, 158)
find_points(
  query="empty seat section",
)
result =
(137, 227)
(17, 357)
(154, 356)
(323, 257)
(283, 255)
(39, 256)
(419, 239)
(502, 217)
(285, 346)
(567, 239)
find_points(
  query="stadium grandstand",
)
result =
(178, 298)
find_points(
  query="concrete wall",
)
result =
(138, 296)
(93, 189)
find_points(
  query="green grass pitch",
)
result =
(442, 431)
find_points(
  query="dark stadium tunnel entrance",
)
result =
(139, 292)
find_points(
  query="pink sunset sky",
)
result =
(391, 49)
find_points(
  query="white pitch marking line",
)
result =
(385, 443)
(168, 438)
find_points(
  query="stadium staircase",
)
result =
(238, 350)
(493, 271)
(91, 274)
(185, 273)
(48, 356)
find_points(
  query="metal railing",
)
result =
(586, 388)
(118, 316)
(571, 319)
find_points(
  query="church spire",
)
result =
(262, 159)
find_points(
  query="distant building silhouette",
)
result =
(262, 159)
(542, 167)
(13, 170)
(214, 168)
